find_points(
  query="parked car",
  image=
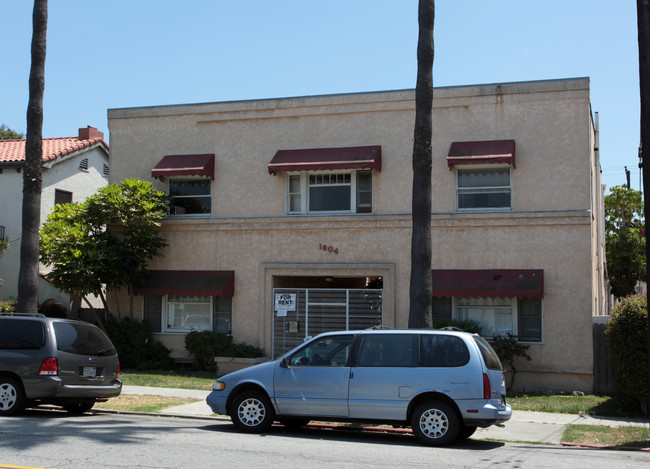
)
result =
(63, 362)
(444, 384)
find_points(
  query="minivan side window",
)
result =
(388, 350)
(443, 351)
(328, 351)
(21, 334)
(489, 355)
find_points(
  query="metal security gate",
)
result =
(301, 313)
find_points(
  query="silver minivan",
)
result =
(442, 383)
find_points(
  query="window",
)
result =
(328, 351)
(391, 350)
(502, 316)
(190, 196)
(185, 313)
(62, 197)
(223, 315)
(329, 192)
(443, 351)
(483, 188)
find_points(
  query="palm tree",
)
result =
(32, 175)
(420, 288)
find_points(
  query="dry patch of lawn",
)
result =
(137, 403)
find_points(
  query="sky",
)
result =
(127, 53)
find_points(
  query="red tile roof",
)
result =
(13, 150)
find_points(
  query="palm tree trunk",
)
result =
(32, 175)
(420, 287)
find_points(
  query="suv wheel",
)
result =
(435, 423)
(252, 412)
(12, 396)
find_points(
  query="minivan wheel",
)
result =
(465, 432)
(12, 396)
(79, 407)
(252, 412)
(435, 423)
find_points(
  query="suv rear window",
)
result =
(82, 339)
(21, 334)
(489, 355)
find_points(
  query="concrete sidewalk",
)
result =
(539, 427)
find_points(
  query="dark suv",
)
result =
(64, 362)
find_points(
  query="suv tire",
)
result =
(252, 412)
(435, 423)
(12, 396)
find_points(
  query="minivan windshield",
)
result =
(489, 355)
(82, 339)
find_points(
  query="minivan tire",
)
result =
(12, 396)
(435, 423)
(252, 412)
(465, 432)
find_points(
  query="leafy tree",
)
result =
(624, 240)
(420, 314)
(32, 175)
(6, 133)
(105, 241)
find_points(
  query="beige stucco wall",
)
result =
(552, 225)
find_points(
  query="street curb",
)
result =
(610, 447)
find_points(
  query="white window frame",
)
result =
(303, 195)
(191, 215)
(166, 328)
(481, 189)
(457, 303)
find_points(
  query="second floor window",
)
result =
(190, 196)
(329, 192)
(483, 188)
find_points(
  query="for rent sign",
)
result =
(285, 301)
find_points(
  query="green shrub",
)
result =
(205, 345)
(136, 347)
(507, 349)
(8, 305)
(627, 339)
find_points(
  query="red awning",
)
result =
(315, 159)
(495, 283)
(485, 152)
(185, 165)
(188, 282)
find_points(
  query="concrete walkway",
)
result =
(539, 427)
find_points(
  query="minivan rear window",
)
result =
(20, 334)
(439, 350)
(82, 339)
(489, 355)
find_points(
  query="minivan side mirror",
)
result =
(285, 362)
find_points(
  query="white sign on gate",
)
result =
(285, 301)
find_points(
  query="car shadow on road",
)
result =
(357, 435)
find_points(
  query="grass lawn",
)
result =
(136, 403)
(630, 437)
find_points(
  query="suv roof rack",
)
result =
(13, 313)
(378, 328)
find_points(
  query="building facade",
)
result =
(293, 216)
(73, 169)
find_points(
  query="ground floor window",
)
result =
(186, 313)
(497, 316)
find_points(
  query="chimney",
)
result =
(90, 133)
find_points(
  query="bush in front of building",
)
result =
(136, 347)
(204, 346)
(508, 349)
(8, 305)
(627, 339)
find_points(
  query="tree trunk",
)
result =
(32, 175)
(420, 288)
(643, 25)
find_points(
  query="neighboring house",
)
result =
(73, 169)
(293, 216)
